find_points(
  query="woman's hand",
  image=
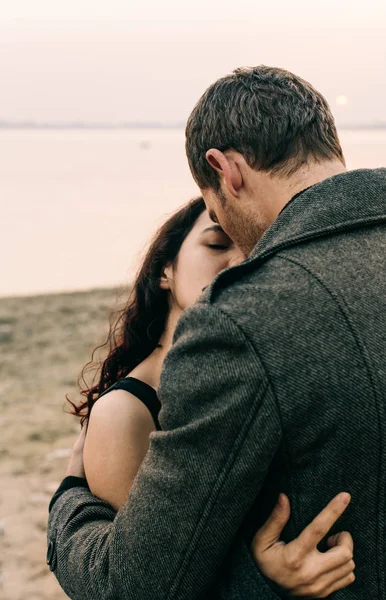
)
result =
(75, 465)
(299, 567)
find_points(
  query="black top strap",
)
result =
(143, 392)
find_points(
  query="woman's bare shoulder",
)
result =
(117, 407)
(117, 419)
(117, 440)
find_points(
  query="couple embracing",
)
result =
(234, 446)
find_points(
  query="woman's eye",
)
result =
(218, 247)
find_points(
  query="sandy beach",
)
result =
(44, 342)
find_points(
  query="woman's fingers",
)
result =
(321, 525)
(339, 555)
(343, 538)
(339, 585)
(298, 566)
(319, 570)
(324, 585)
(79, 442)
(75, 466)
(270, 532)
(342, 571)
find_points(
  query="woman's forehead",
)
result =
(204, 221)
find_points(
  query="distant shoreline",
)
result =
(76, 125)
(112, 289)
(32, 125)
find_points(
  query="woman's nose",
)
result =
(236, 258)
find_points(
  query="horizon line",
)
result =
(110, 125)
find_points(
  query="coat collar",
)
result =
(346, 201)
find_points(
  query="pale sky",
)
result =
(114, 60)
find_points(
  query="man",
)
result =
(279, 369)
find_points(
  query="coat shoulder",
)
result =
(269, 297)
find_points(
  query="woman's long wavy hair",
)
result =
(135, 330)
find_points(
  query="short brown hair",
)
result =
(275, 119)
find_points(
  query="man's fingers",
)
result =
(321, 525)
(270, 532)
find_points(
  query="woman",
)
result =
(122, 408)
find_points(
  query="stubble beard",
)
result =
(245, 229)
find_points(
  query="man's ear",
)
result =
(227, 168)
(166, 278)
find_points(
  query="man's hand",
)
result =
(299, 567)
(75, 465)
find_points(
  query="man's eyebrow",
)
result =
(214, 228)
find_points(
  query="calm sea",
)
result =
(78, 206)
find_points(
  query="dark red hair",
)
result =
(135, 330)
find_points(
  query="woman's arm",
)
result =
(115, 445)
(298, 568)
(169, 540)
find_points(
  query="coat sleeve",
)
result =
(199, 478)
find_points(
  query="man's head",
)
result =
(255, 138)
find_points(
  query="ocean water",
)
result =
(78, 207)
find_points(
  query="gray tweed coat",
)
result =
(276, 382)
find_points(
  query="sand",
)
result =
(44, 342)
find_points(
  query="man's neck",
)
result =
(283, 190)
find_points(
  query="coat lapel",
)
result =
(347, 201)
